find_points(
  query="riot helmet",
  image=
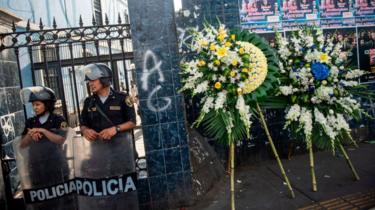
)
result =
(39, 93)
(99, 71)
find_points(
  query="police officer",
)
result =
(42, 140)
(107, 118)
(117, 106)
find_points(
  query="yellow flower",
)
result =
(218, 85)
(221, 37)
(212, 47)
(203, 42)
(241, 51)
(228, 44)
(201, 63)
(324, 58)
(234, 62)
(233, 37)
(222, 51)
(233, 73)
(221, 30)
(216, 62)
(324, 82)
(256, 69)
(239, 91)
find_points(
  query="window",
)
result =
(98, 12)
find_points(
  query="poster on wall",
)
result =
(298, 12)
(366, 43)
(337, 13)
(270, 38)
(365, 14)
(260, 15)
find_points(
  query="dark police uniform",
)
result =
(108, 158)
(118, 108)
(47, 164)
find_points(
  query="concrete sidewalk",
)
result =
(261, 186)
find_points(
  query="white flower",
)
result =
(201, 87)
(315, 100)
(320, 39)
(186, 13)
(221, 99)
(322, 120)
(354, 74)
(312, 56)
(296, 43)
(348, 104)
(286, 90)
(230, 125)
(208, 104)
(222, 78)
(349, 83)
(309, 41)
(306, 121)
(293, 113)
(341, 123)
(334, 71)
(324, 93)
(283, 48)
(331, 130)
(281, 65)
(245, 114)
(231, 55)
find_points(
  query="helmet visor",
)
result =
(36, 93)
(93, 72)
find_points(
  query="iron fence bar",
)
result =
(48, 30)
(84, 61)
(74, 79)
(72, 91)
(17, 52)
(113, 67)
(96, 43)
(60, 82)
(30, 51)
(77, 34)
(46, 65)
(123, 62)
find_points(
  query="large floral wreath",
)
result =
(318, 81)
(228, 70)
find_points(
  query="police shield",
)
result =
(45, 168)
(105, 173)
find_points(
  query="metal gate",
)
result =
(54, 57)
(56, 54)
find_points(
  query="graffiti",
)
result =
(150, 57)
(7, 126)
(182, 38)
(185, 38)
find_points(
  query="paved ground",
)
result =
(261, 186)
